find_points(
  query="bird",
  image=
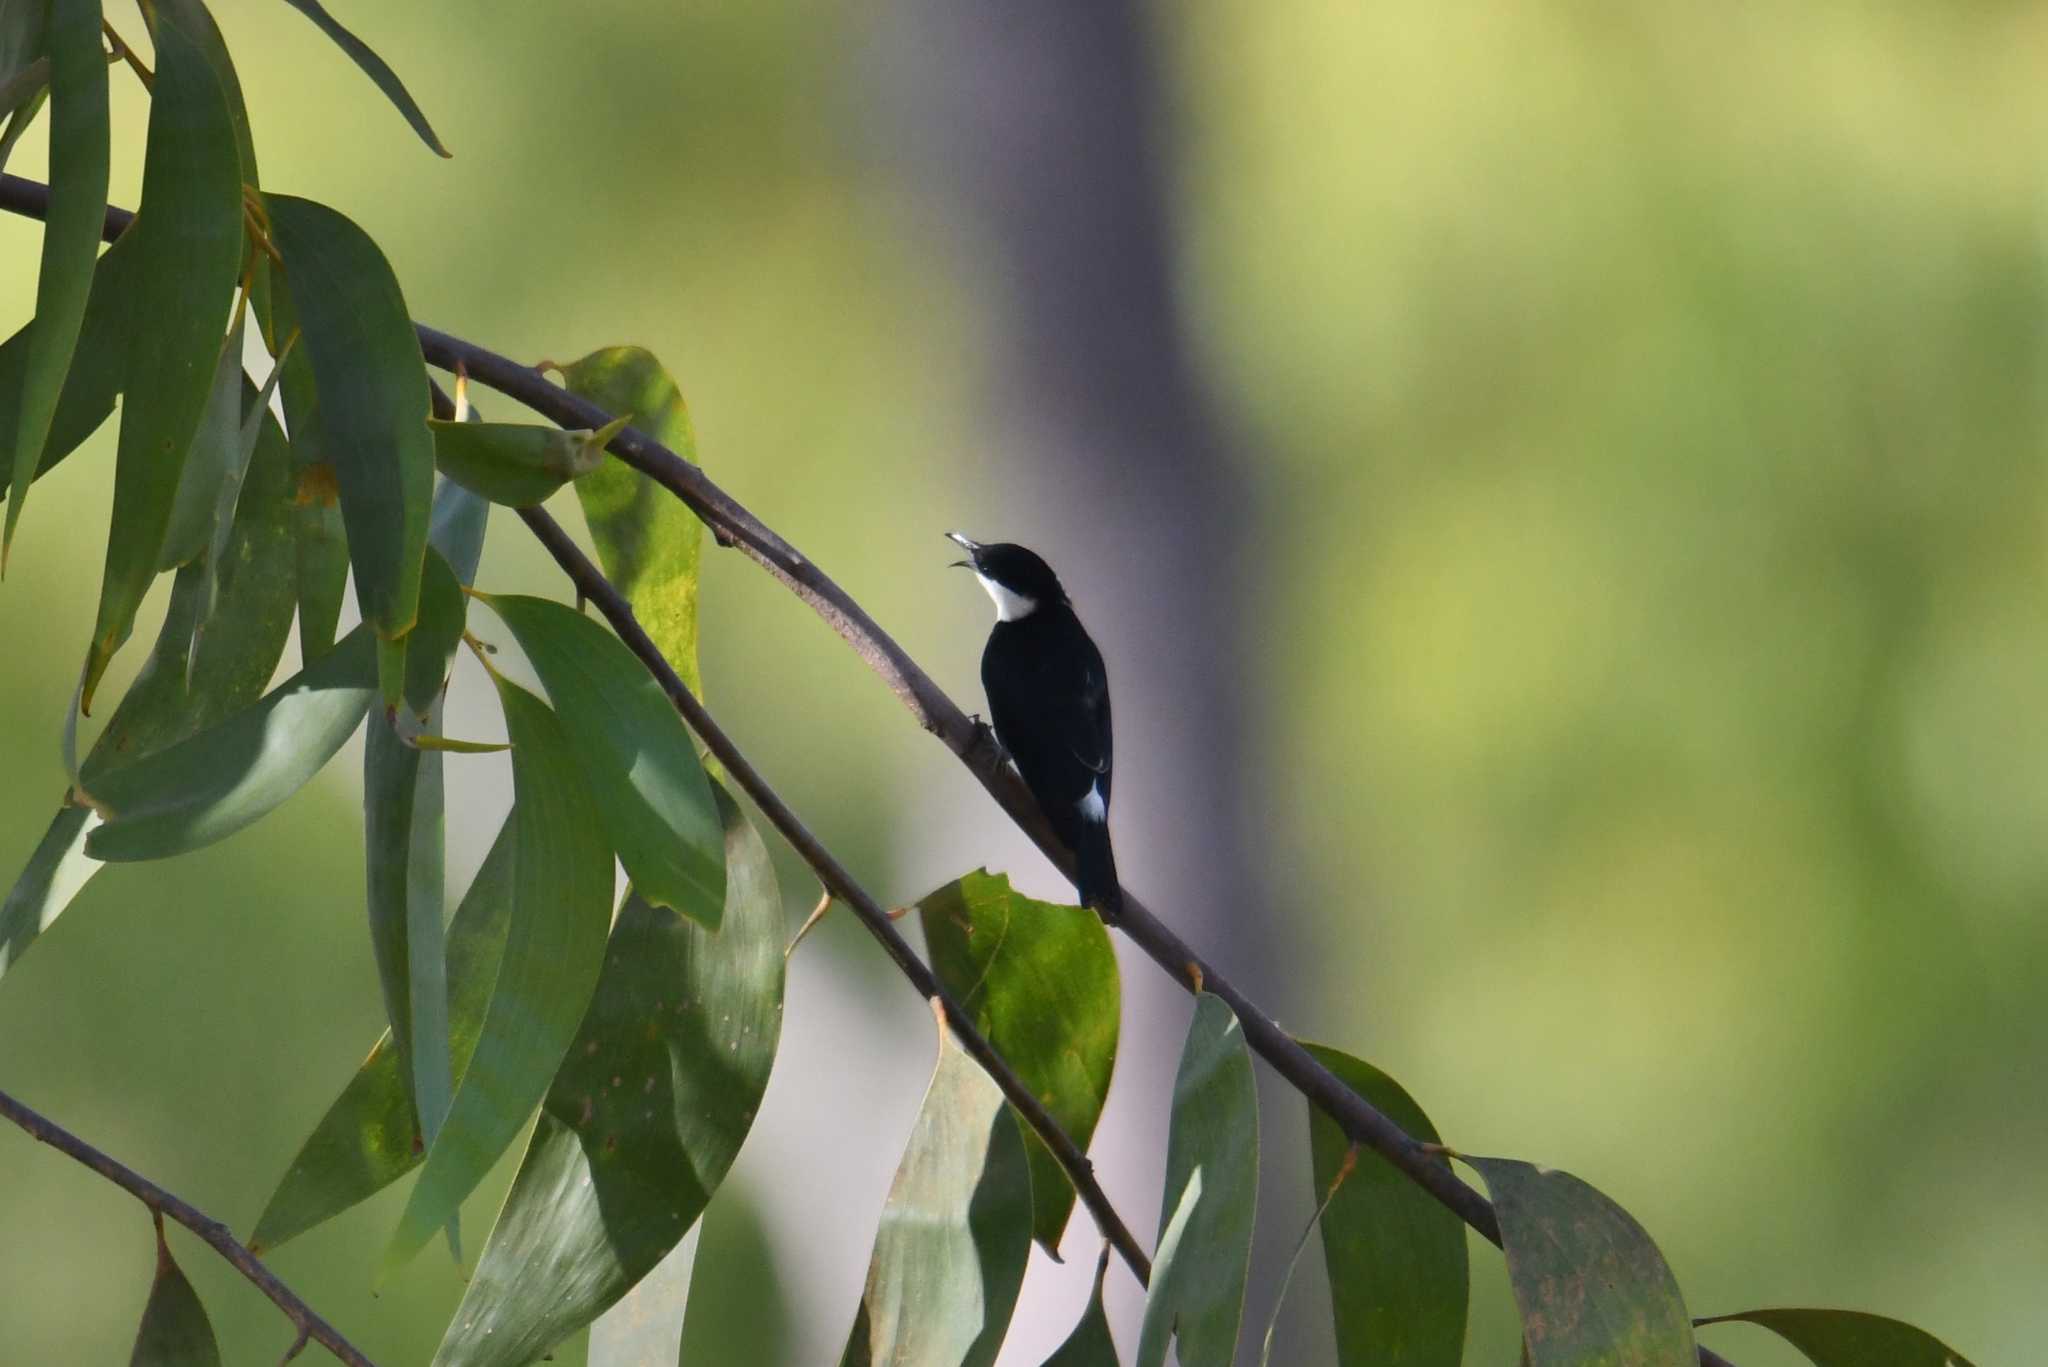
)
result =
(1048, 701)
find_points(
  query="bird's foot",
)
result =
(985, 743)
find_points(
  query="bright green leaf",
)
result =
(646, 1115)
(1090, 1344)
(516, 464)
(372, 401)
(1212, 1182)
(561, 899)
(1851, 1338)
(1592, 1289)
(71, 233)
(641, 766)
(955, 1232)
(1396, 1257)
(1040, 981)
(175, 1331)
(375, 68)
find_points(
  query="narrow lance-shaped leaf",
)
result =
(562, 883)
(175, 1331)
(643, 1120)
(1850, 1338)
(649, 544)
(1040, 981)
(1397, 1261)
(55, 872)
(646, 1324)
(259, 431)
(640, 765)
(71, 233)
(956, 1229)
(516, 464)
(1212, 1177)
(375, 68)
(212, 460)
(1590, 1285)
(188, 255)
(322, 539)
(1090, 1344)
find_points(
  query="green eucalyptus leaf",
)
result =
(212, 460)
(53, 876)
(516, 464)
(955, 1232)
(1090, 1344)
(369, 1137)
(1399, 1278)
(638, 759)
(212, 784)
(71, 233)
(321, 536)
(175, 1331)
(646, 1324)
(375, 68)
(1212, 1180)
(1591, 1287)
(1850, 1338)
(642, 1122)
(648, 542)
(188, 249)
(554, 948)
(1040, 981)
(372, 401)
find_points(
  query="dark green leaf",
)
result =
(372, 401)
(648, 542)
(646, 1324)
(638, 759)
(210, 785)
(71, 234)
(561, 898)
(1040, 982)
(1591, 1287)
(31, 89)
(1212, 1183)
(1090, 1344)
(175, 1331)
(644, 1118)
(369, 1138)
(196, 21)
(212, 460)
(516, 464)
(955, 1232)
(1397, 1260)
(1851, 1338)
(188, 256)
(55, 873)
(322, 540)
(374, 67)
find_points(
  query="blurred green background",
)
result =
(1640, 416)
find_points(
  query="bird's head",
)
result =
(1016, 579)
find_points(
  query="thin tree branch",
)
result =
(211, 1231)
(733, 525)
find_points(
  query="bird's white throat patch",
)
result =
(1010, 606)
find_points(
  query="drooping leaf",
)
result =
(1212, 1177)
(1591, 1287)
(211, 461)
(369, 1137)
(71, 233)
(210, 785)
(561, 898)
(1090, 1344)
(188, 248)
(322, 538)
(1040, 982)
(646, 1324)
(196, 21)
(516, 464)
(644, 1118)
(372, 401)
(955, 1232)
(175, 1331)
(55, 872)
(258, 430)
(1850, 1338)
(648, 543)
(637, 757)
(375, 68)
(1399, 1278)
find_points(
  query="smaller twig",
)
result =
(298, 1347)
(124, 53)
(211, 1232)
(817, 912)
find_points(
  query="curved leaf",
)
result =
(175, 1331)
(516, 464)
(648, 542)
(1090, 1344)
(372, 401)
(322, 538)
(71, 234)
(955, 1232)
(642, 768)
(646, 1324)
(210, 785)
(561, 897)
(1591, 1287)
(212, 459)
(1399, 1278)
(644, 1119)
(1212, 1180)
(1040, 982)
(1850, 1338)
(188, 256)
(55, 872)
(375, 68)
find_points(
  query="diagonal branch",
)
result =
(215, 1234)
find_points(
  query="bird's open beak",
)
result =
(968, 544)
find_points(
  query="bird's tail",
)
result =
(1095, 872)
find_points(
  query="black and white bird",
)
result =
(1048, 698)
